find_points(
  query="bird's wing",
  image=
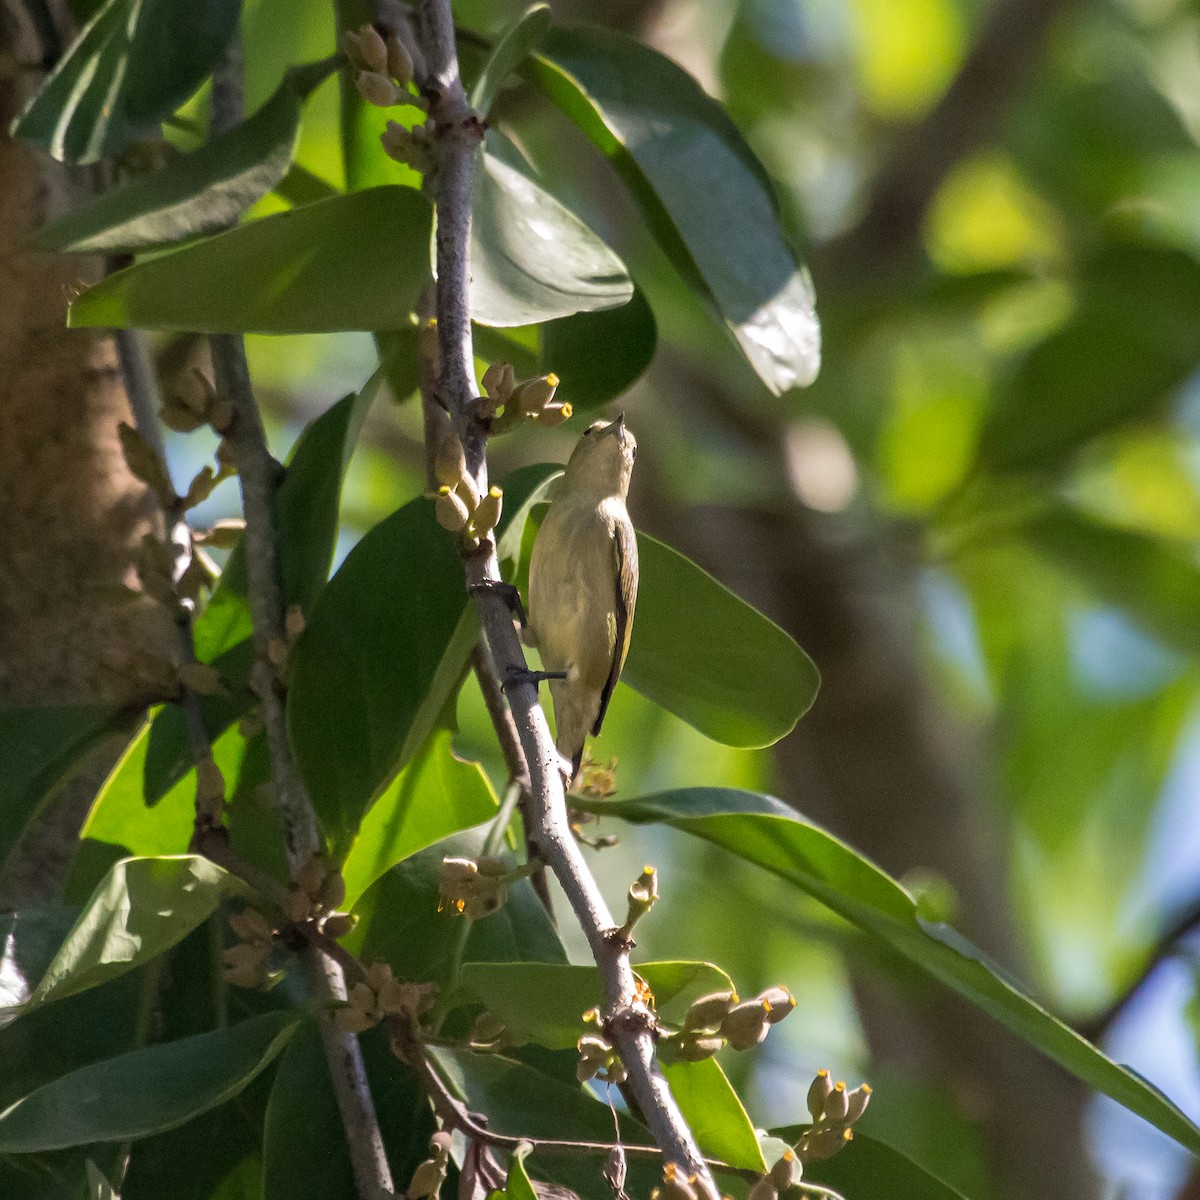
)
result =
(625, 558)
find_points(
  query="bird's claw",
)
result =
(507, 592)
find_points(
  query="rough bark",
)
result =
(71, 514)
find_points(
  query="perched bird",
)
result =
(583, 579)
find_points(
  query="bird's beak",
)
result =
(617, 427)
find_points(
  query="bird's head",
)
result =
(602, 462)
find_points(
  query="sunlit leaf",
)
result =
(436, 795)
(133, 64)
(522, 36)
(704, 193)
(143, 907)
(763, 831)
(197, 193)
(532, 259)
(358, 261)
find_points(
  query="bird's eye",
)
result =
(633, 453)
(587, 433)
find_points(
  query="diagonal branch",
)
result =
(457, 133)
(259, 474)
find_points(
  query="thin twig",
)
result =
(627, 1022)
(259, 475)
(1167, 945)
(141, 385)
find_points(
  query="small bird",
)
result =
(583, 578)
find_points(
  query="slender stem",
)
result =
(628, 1024)
(259, 475)
(141, 384)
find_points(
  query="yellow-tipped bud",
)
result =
(554, 414)
(818, 1093)
(452, 513)
(487, 515)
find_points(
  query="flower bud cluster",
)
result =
(246, 960)
(193, 402)
(507, 403)
(429, 1176)
(677, 1185)
(315, 893)
(786, 1171)
(834, 1110)
(384, 67)
(381, 996)
(457, 502)
(720, 1018)
(598, 1060)
(473, 887)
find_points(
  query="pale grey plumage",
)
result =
(583, 578)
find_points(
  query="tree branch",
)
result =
(628, 1024)
(259, 474)
(1167, 945)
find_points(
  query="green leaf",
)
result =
(304, 1144)
(714, 1113)
(383, 648)
(385, 645)
(133, 64)
(141, 908)
(517, 1186)
(358, 261)
(532, 259)
(1133, 337)
(868, 1169)
(1155, 582)
(726, 669)
(147, 1091)
(704, 193)
(39, 749)
(306, 510)
(518, 40)
(197, 193)
(545, 1002)
(436, 795)
(764, 831)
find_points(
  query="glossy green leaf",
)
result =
(146, 1091)
(306, 512)
(358, 261)
(521, 37)
(133, 64)
(766, 832)
(39, 748)
(143, 907)
(304, 1144)
(197, 193)
(704, 193)
(545, 1002)
(532, 259)
(710, 658)
(384, 645)
(436, 795)
(714, 1113)
(1156, 582)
